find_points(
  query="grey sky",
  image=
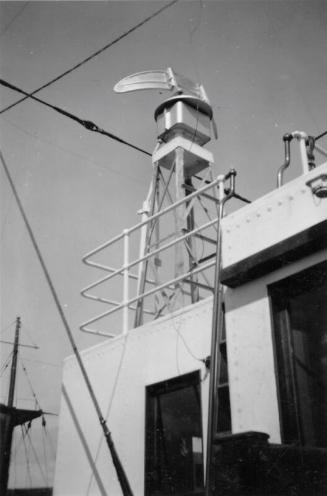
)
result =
(263, 65)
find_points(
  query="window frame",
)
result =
(192, 379)
(280, 292)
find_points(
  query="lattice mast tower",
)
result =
(184, 123)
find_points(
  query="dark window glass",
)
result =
(224, 425)
(224, 415)
(223, 373)
(300, 330)
(173, 451)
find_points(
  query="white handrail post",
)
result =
(304, 156)
(126, 281)
(302, 137)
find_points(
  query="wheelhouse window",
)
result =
(224, 425)
(173, 445)
(300, 336)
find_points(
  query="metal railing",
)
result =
(129, 302)
(307, 146)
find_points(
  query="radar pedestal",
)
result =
(183, 123)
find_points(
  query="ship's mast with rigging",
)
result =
(14, 365)
(11, 417)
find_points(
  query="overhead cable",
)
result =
(29, 335)
(7, 327)
(89, 162)
(89, 125)
(37, 403)
(44, 476)
(92, 56)
(320, 135)
(10, 23)
(6, 364)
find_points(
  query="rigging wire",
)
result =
(10, 23)
(48, 438)
(5, 219)
(4, 369)
(45, 456)
(88, 161)
(177, 329)
(192, 32)
(6, 364)
(7, 327)
(89, 125)
(92, 56)
(42, 362)
(44, 431)
(44, 476)
(30, 384)
(17, 444)
(28, 468)
(24, 328)
(13, 454)
(320, 136)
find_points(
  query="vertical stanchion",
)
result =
(304, 155)
(126, 281)
(179, 221)
(138, 320)
(190, 243)
(217, 321)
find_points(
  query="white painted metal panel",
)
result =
(253, 388)
(120, 370)
(272, 218)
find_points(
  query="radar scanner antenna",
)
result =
(164, 79)
(160, 79)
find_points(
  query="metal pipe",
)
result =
(166, 185)
(310, 146)
(147, 293)
(126, 282)
(302, 137)
(205, 195)
(307, 145)
(111, 269)
(107, 268)
(217, 321)
(121, 270)
(143, 267)
(100, 299)
(199, 284)
(206, 238)
(150, 219)
(190, 223)
(145, 214)
(287, 138)
(208, 257)
(147, 256)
